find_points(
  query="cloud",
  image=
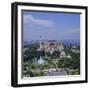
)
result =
(29, 18)
(73, 31)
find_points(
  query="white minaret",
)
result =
(40, 42)
(41, 60)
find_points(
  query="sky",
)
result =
(51, 26)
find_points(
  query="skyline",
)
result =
(51, 26)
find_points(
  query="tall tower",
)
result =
(40, 42)
(41, 60)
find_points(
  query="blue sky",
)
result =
(51, 26)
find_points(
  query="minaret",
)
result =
(40, 42)
(41, 60)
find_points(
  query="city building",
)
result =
(51, 46)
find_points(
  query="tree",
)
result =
(55, 54)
